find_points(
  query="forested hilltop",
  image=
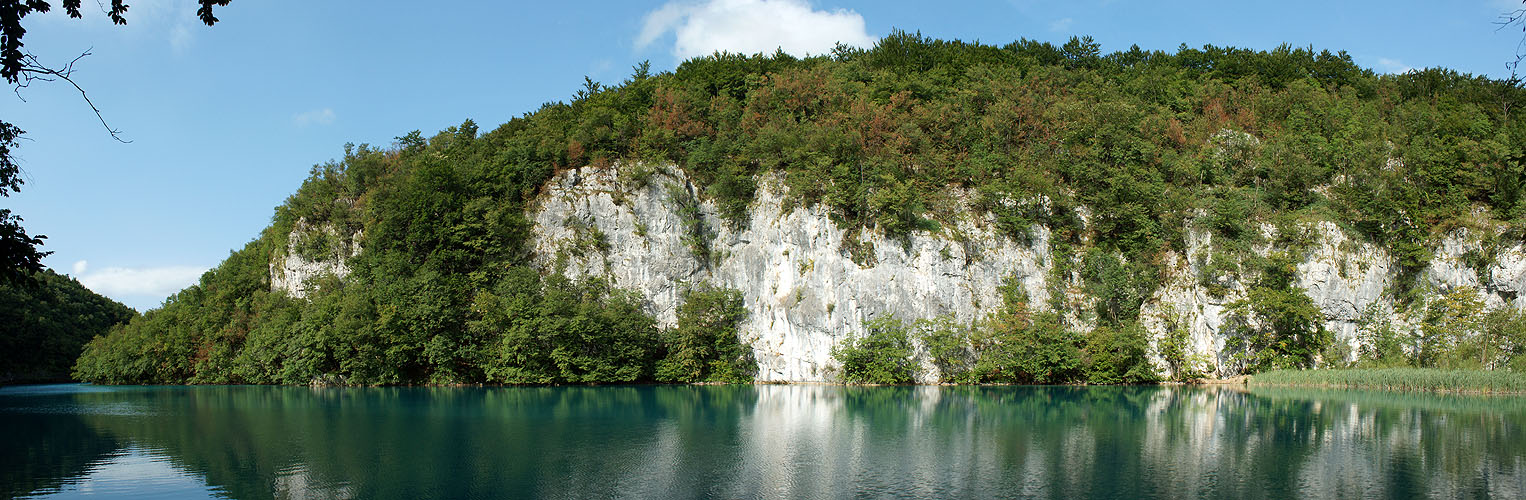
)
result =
(45, 320)
(1117, 157)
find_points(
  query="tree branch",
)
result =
(34, 70)
(1516, 17)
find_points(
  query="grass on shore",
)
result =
(1399, 379)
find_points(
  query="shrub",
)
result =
(1117, 355)
(1276, 325)
(1013, 348)
(705, 346)
(1175, 349)
(881, 356)
(1382, 347)
(1451, 321)
(948, 344)
(1504, 340)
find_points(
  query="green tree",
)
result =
(948, 344)
(1383, 347)
(1450, 331)
(1276, 326)
(560, 331)
(1504, 340)
(1120, 287)
(706, 344)
(1117, 355)
(45, 321)
(882, 355)
(1013, 347)
(1175, 348)
(19, 256)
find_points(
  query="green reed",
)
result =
(1399, 379)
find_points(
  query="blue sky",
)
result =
(226, 121)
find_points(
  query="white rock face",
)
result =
(1507, 277)
(804, 294)
(802, 291)
(293, 272)
(1348, 280)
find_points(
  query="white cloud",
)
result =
(1061, 25)
(600, 66)
(180, 38)
(1393, 66)
(661, 21)
(175, 20)
(323, 116)
(79, 268)
(752, 26)
(121, 283)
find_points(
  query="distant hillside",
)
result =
(46, 321)
(1138, 213)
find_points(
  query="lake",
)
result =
(799, 441)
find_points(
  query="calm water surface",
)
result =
(68, 441)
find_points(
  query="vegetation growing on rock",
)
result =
(1116, 154)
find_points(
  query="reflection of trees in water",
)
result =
(43, 451)
(435, 442)
(1415, 444)
(1108, 442)
(682, 441)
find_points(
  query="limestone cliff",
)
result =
(805, 293)
(311, 251)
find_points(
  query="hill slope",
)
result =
(1053, 213)
(45, 322)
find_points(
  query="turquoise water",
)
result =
(68, 441)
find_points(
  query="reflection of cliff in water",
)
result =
(795, 441)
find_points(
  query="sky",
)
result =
(225, 122)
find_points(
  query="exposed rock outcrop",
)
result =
(293, 271)
(805, 292)
(802, 290)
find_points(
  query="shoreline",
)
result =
(1398, 379)
(1413, 380)
(1462, 392)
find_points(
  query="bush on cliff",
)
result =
(882, 355)
(1115, 154)
(706, 345)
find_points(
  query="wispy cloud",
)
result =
(752, 26)
(175, 20)
(600, 66)
(125, 284)
(1393, 66)
(180, 38)
(1061, 25)
(180, 15)
(323, 116)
